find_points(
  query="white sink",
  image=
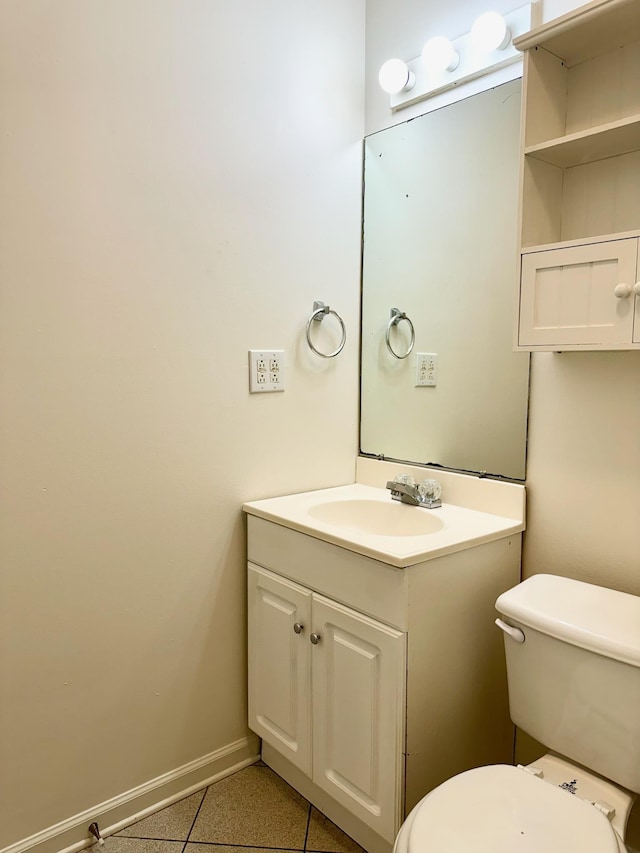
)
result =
(372, 516)
(365, 519)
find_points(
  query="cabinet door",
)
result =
(279, 665)
(568, 295)
(358, 702)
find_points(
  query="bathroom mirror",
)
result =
(440, 245)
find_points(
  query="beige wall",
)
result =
(179, 180)
(583, 483)
(583, 468)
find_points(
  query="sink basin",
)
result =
(383, 519)
(365, 519)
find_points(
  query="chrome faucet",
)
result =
(409, 493)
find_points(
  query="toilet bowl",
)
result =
(573, 670)
(505, 809)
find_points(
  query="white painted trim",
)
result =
(139, 802)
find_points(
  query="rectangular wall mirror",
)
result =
(440, 245)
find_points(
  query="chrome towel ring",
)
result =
(395, 318)
(320, 311)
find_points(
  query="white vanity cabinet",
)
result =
(405, 686)
(326, 689)
(579, 286)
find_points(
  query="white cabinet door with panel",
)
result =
(279, 665)
(580, 296)
(348, 734)
(358, 669)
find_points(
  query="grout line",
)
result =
(145, 838)
(306, 834)
(245, 846)
(195, 818)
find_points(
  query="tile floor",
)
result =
(252, 810)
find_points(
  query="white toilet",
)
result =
(573, 666)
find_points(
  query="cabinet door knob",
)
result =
(298, 628)
(315, 639)
(622, 291)
(636, 288)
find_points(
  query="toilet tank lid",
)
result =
(601, 620)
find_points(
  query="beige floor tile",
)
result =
(172, 823)
(253, 807)
(225, 848)
(325, 836)
(117, 844)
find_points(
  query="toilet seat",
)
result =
(505, 809)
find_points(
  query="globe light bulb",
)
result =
(395, 76)
(438, 54)
(490, 32)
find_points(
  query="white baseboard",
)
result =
(71, 835)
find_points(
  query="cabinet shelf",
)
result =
(568, 244)
(597, 143)
(586, 32)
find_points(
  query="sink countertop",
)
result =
(461, 527)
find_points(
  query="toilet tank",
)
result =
(574, 683)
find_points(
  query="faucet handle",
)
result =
(430, 490)
(405, 479)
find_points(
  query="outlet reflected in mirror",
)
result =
(440, 245)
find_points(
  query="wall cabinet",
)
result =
(326, 688)
(580, 205)
(369, 684)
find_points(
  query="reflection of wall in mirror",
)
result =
(440, 220)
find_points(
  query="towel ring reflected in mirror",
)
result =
(396, 317)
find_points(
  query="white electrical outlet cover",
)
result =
(426, 369)
(266, 370)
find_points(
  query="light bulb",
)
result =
(438, 54)
(395, 76)
(490, 32)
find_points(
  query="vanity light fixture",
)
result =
(444, 64)
(490, 32)
(439, 54)
(396, 77)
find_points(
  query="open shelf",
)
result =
(569, 244)
(597, 143)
